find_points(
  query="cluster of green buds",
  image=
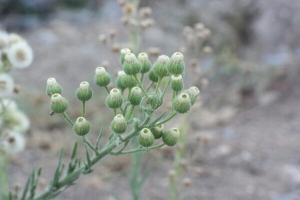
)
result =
(130, 97)
(15, 53)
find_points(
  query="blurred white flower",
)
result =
(14, 38)
(9, 105)
(12, 142)
(16, 121)
(20, 54)
(3, 40)
(6, 85)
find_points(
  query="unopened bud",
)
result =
(58, 104)
(119, 80)
(154, 101)
(131, 65)
(123, 53)
(176, 82)
(171, 136)
(102, 78)
(114, 99)
(81, 126)
(128, 81)
(146, 138)
(144, 60)
(84, 92)
(152, 76)
(53, 87)
(136, 96)
(160, 66)
(119, 124)
(182, 103)
(176, 63)
(157, 131)
(193, 92)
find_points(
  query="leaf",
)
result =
(74, 150)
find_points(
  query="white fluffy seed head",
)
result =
(14, 38)
(20, 55)
(17, 121)
(6, 85)
(3, 40)
(12, 142)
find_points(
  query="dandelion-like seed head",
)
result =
(20, 55)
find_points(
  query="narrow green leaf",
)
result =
(74, 150)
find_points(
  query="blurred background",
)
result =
(242, 143)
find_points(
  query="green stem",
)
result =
(142, 78)
(65, 116)
(168, 118)
(148, 88)
(130, 112)
(138, 82)
(83, 108)
(158, 84)
(165, 90)
(107, 89)
(142, 149)
(115, 111)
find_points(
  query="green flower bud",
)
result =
(152, 76)
(119, 124)
(136, 122)
(58, 104)
(128, 81)
(114, 99)
(131, 65)
(176, 64)
(144, 60)
(146, 138)
(170, 137)
(81, 126)
(176, 82)
(123, 53)
(154, 101)
(119, 80)
(193, 92)
(157, 131)
(182, 103)
(160, 66)
(102, 78)
(136, 96)
(84, 92)
(53, 87)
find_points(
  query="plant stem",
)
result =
(4, 166)
(130, 112)
(165, 90)
(168, 118)
(158, 84)
(142, 149)
(83, 108)
(138, 82)
(65, 116)
(148, 88)
(107, 89)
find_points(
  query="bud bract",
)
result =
(81, 126)
(119, 83)
(146, 138)
(157, 131)
(176, 63)
(135, 96)
(154, 101)
(123, 53)
(171, 136)
(131, 65)
(176, 82)
(84, 92)
(152, 76)
(114, 99)
(193, 92)
(144, 60)
(58, 104)
(160, 66)
(119, 124)
(182, 103)
(102, 78)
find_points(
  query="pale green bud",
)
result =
(157, 131)
(81, 126)
(131, 65)
(58, 104)
(182, 103)
(119, 80)
(53, 87)
(144, 60)
(171, 136)
(160, 66)
(152, 76)
(176, 82)
(114, 99)
(176, 64)
(84, 92)
(136, 96)
(154, 101)
(123, 53)
(146, 138)
(119, 124)
(193, 93)
(128, 81)
(102, 78)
